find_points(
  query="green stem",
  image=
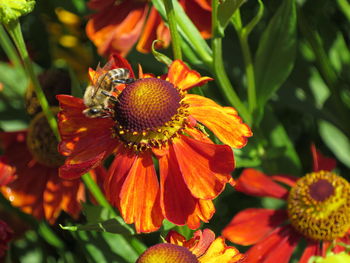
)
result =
(15, 32)
(97, 193)
(224, 82)
(9, 49)
(243, 34)
(175, 37)
(219, 70)
(344, 6)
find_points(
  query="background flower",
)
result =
(318, 204)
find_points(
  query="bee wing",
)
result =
(96, 82)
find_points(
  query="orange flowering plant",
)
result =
(129, 128)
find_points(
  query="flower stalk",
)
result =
(15, 32)
(175, 37)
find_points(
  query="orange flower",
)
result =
(118, 25)
(37, 189)
(318, 207)
(202, 248)
(155, 119)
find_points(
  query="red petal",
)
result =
(224, 122)
(7, 172)
(205, 167)
(174, 237)
(321, 162)
(263, 221)
(116, 28)
(279, 245)
(184, 78)
(204, 210)
(176, 200)
(254, 182)
(310, 250)
(86, 141)
(139, 196)
(153, 30)
(285, 179)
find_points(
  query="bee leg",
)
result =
(123, 81)
(111, 97)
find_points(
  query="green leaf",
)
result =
(105, 247)
(276, 52)
(337, 142)
(225, 11)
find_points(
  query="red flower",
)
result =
(118, 25)
(155, 119)
(37, 189)
(5, 237)
(201, 248)
(318, 206)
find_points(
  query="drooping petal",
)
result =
(279, 245)
(176, 200)
(141, 207)
(60, 194)
(224, 122)
(311, 249)
(254, 182)
(205, 167)
(263, 221)
(204, 211)
(219, 252)
(154, 29)
(321, 162)
(116, 28)
(285, 179)
(184, 78)
(85, 141)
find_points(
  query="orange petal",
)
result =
(224, 122)
(205, 167)
(204, 211)
(279, 245)
(321, 162)
(184, 78)
(139, 196)
(85, 141)
(263, 221)
(254, 182)
(174, 237)
(7, 172)
(154, 29)
(219, 252)
(285, 179)
(116, 28)
(60, 195)
(176, 200)
(200, 241)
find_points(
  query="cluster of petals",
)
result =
(273, 236)
(203, 247)
(192, 169)
(118, 25)
(33, 187)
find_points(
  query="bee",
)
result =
(98, 96)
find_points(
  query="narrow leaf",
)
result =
(276, 52)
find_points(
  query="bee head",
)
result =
(92, 112)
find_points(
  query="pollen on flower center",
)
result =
(167, 253)
(149, 112)
(42, 143)
(319, 206)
